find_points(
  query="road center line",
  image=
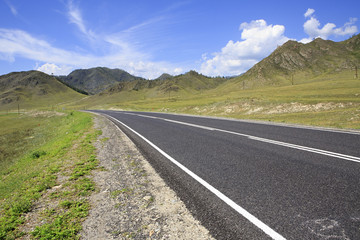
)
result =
(265, 228)
(279, 143)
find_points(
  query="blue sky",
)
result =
(150, 37)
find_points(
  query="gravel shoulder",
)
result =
(132, 201)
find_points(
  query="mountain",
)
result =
(190, 82)
(294, 61)
(164, 76)
(33, 89)
(95, 80)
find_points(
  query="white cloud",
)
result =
(309, 12)
(17, 43)
(313, 29)
(51, 68)
(258, 40)
(113, 50)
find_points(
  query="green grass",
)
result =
(19, 134)
(63, 148)
(329, 99)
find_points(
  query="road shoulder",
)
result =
(132, 201)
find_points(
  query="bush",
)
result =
(38, 154)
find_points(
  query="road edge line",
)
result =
(254, 220)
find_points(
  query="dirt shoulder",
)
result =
(132, 201)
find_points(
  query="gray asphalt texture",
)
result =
(299, 194)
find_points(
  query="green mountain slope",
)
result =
(294, 63)
(33, 89)
(190, 82)
(95, 80)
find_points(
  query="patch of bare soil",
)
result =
(249, 108)
(132, 201)
(44, 113)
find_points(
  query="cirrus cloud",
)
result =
(114, 50)
(17, 43)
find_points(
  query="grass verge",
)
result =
(52, 175)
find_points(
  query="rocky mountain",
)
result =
(95, 80)
(294, 60)
(33, 88)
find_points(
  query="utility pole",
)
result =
(356, 75)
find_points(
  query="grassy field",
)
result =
(330, 100)
(46, 158)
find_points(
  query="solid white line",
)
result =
(265, 228)
(278, 124)
(279, 143)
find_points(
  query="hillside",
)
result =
(190, 82)
(294, 62)
(175, 88)
(96, 80)
(33, 89)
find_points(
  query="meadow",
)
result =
(46, 158)
(328, 100)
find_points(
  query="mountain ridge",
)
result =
(190, 81)
(305, 60)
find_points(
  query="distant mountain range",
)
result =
(190, 82)
(291, 63)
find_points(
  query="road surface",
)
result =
(247, 180)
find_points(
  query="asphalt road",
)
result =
(246, 180)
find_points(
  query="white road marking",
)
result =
(278, 124)
(265, 228)
(284, 144)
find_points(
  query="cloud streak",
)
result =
(12, 8)
(116, 48)
(75, 17)
(18, 43)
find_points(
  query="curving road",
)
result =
(248, 180)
